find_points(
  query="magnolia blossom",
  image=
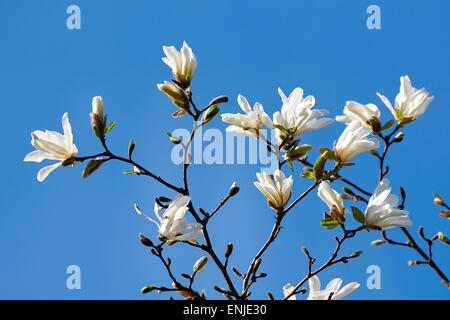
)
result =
(52, 145)
(277, 189)
(368, 115)
(173, 225)
(287, 290)
(182, 63)
(249, 123)
(332, 289)
(296, 114)
(353, 141)
(333, 200)
(381, 210)
(409, 102)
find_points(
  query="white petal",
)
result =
(44, 172)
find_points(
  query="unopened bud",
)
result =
(97, 107)
(97, 125)
(228, 250)
(173, 139)
(200, 263)
(398, 137)
(420, 231)
(145, 241)
(234, 189)
(445, 214)
(377, 242)
(147, 289)
(346, 196)
(210, 114)
(236, 272)
(174, 94)
(261, 275)
(438, 202)
(298, 152)
(319, 166)
(219, 99)
(442, 238)
(373, 152)
(257, 263)
(305, 251)
(270, 296)
(348, 191)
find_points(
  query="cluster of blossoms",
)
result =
(296, 117)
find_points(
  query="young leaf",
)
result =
(329, 223)
(307, 174)
(131, 148)
(110, 126)
(358, 215)
(388, 124)
(281, 128)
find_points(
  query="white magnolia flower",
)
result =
(381, 210)
(368, 115)
(331, 289)
(353, 141)
(296, 114)
(182, 63)
(333, 200)
(173, 225)
(52, 145)
(249, 123)
(287, 290)
(410, 102)
(277, 189)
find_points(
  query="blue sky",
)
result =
(247, 47)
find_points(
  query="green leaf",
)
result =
(330, 173)
(282, 129)
(329, 223)
(388, 124)
(291, 166)
(91, 167)
(307, 174)
(358, 215)
(201, 270)
(129, 172)
(110, 126)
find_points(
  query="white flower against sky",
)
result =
(182, 63)
(368, 114)
(296, 114)
(173, 225)
(277, 189)
(333, 200)
(410, 102)
(287, 290)
(249, 123)
(52, 145)
(381, 210)
(353, 141)
(332, 289)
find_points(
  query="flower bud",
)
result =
(233, 190)
(147, 289)
(438, 202)
(174, 94)
(297, 152)
(442, 238)
(145, 241)
(445, 214)
(377, 242)
(319, 166)
(210, 114)
(200, 263)
(228, 250)
(398, 137)
(219, 99)
(97, 107)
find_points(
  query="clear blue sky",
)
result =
(248, 47)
